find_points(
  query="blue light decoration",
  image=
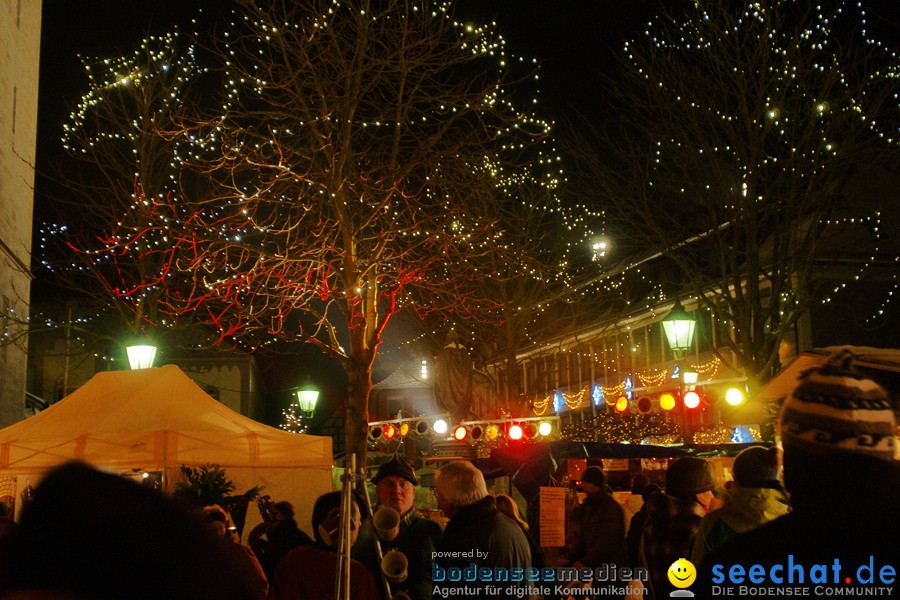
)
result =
(558, 402)
(597, 395)
(676, 372)
(742, 435)
(628, 385)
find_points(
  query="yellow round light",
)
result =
(621, 404)
(440, 426)
(545, 428)
(734, 396)
(515, 432)
(667, 402)
(404, 429)
(492, 432)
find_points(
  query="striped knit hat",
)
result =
(835, 408)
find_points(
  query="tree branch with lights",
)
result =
(738, 140)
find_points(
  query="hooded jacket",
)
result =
(746, 509)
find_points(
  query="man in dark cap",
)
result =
(395, 484)
(598, 524)
(673, 519)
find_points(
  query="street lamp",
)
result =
(679, 327)
(140, 356)
(307, 398)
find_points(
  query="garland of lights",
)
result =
(614, 428)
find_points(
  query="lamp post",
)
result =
(140, 355)
(307, 397)
(679, 327)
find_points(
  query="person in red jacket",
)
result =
(308, 572)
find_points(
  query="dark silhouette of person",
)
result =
(95, 536)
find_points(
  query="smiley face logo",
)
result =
(682, 573)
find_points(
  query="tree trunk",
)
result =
(356, 423)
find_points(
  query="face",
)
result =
(589, 488)
(445, 506)
(707, 499)
(397, 493)
(682, 573)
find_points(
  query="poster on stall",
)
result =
(553, 517)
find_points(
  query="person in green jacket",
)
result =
(757, 497)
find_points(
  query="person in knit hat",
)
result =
(838, 429)
(673, 519)
(395, 486)
(598, 525)
(757, 498)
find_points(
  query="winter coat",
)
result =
(283, 537)
(417, 540)
(844, 511)
(599, 527)
(307, 573)
(478, 533)
(632, 506)
(747, 508)
(668, 534)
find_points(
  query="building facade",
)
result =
(20, 43)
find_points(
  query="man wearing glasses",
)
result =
(395, 484)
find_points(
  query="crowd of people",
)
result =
(88, 535)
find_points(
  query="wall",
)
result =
(20, 42)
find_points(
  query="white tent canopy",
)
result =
(780, 386)
(157, 420)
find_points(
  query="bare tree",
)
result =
(352, 158)
(736, 130)
(106, 247)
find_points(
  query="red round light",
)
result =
(621, 404)
(460, 433)
(390, 431)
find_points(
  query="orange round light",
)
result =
(390, 431)
(515, 432)
(691, 399)
(404, 429)
(492, 432)
(621, 404)
(667, 402)
(460, 433)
